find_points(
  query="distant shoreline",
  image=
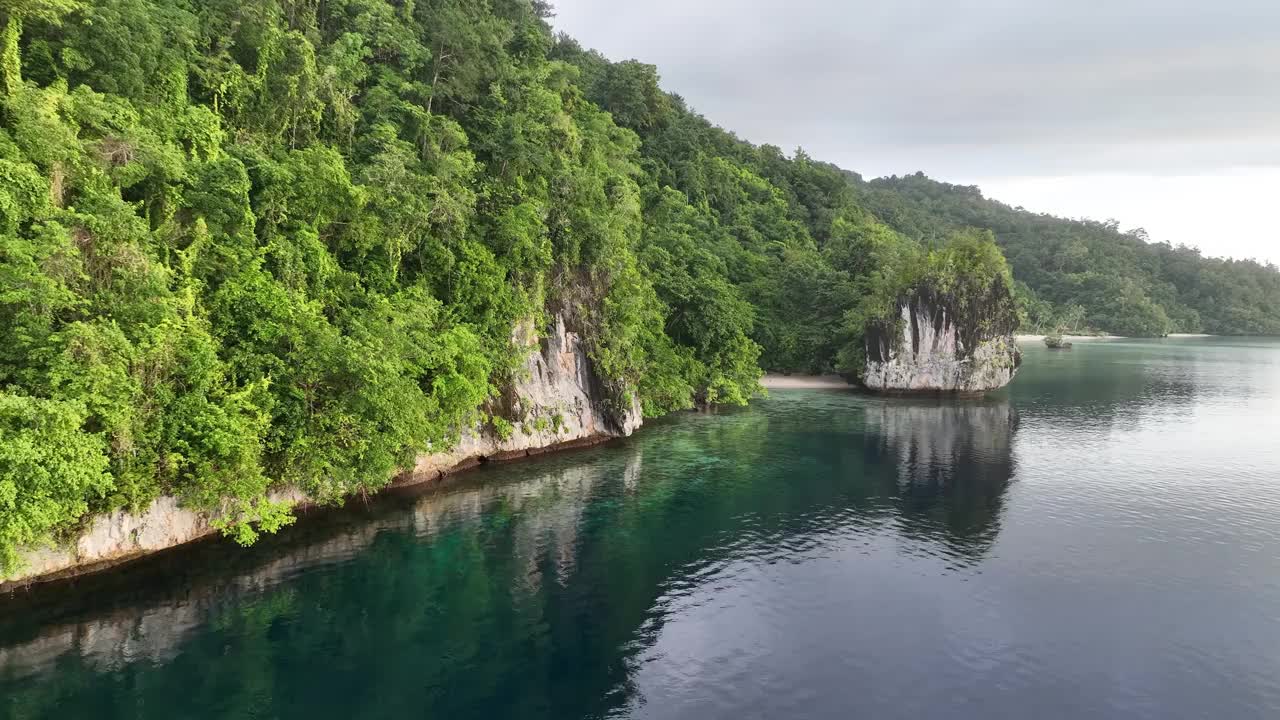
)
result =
(1071, 338)
(1095, 338)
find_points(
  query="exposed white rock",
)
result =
(120, 535)
(559, 401)
(928, 354)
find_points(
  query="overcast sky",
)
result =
(1162, 114)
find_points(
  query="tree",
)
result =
(12, 15)
(49, 469)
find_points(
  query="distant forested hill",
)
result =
(1090, 275)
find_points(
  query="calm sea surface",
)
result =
(1100, 540)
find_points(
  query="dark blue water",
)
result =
(1101, 540)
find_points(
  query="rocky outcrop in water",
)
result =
(931, 346)
(558, 401)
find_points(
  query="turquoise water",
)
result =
(1100, 540)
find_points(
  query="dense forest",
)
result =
(1090, 276)
(285, 242)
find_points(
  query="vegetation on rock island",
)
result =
(253, 244)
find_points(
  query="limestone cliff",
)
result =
(931, 346)
(557, 401)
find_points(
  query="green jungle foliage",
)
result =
(250, 245)
(1089, 276)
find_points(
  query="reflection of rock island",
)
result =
(954, 462)
(151, 624)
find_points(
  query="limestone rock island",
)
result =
(951, 329)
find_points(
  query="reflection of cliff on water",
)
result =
(145, 612)
(953, 462)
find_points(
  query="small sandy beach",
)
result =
(804, 382)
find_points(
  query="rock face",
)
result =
(559, 402)
(928, 349)
(119, 535)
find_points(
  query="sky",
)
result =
(1161, 114)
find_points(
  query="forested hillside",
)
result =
(784, 248)
(286, 242)
(1090, 276)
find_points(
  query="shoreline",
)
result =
(556, 387)
(1068, 338)
(1098, 338)
(125, 539)
(417, 480)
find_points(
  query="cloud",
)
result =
(989, 87)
